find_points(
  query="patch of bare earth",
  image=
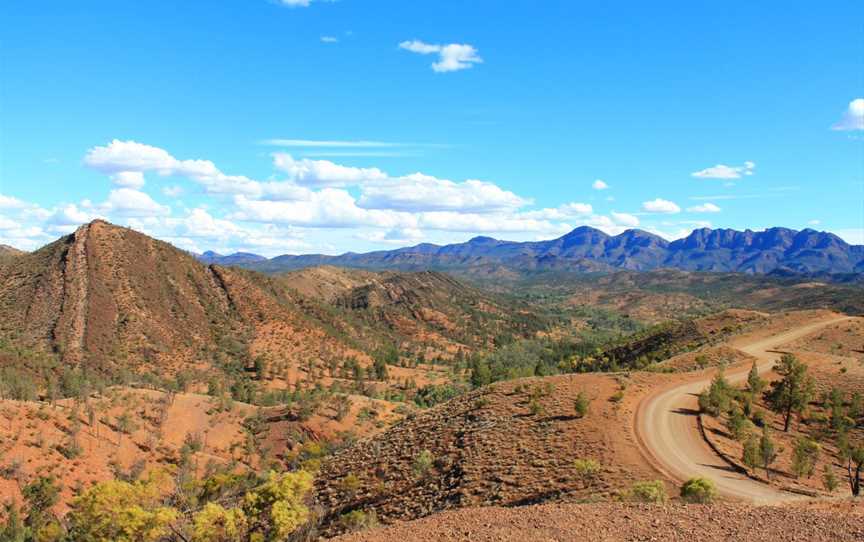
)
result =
(627, 522)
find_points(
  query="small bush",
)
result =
(422, 463)
(698, 490)
(535, 407)
(650, 491)
(829, 480)
(351, 483)
(357, 520)
(581, 405)
(617, 397)
(586, 470)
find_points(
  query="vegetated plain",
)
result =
(145, 391)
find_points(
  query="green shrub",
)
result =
(650, 491)
(698, 490)
(586, 470)
(422, 463)
(581, 404)
(357, 520)
(804, 457)
(829, 480)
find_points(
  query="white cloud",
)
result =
(396, 236)
(8, 202)
(625, 219)
(704, 208)
(128, 179)
(599, 184)
(329, 39)
(419, 192)
(853, 118)
(321, 173)
(129, 156)
(721, 171)
(329, 207)
(127, 202)
(660, 206)
(814, 222)
(71, 215)
(451, 57)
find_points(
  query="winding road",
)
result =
(667, 427)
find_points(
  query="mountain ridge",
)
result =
(773, 250)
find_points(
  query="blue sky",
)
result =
(327, 126)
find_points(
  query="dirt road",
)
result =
(667, 427)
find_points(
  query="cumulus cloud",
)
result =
(660, 205)
(853, 117)
(704, 208)
(130, 157)
(128, 202)
(599, 184)
(396, 236)
(625, 219)
(451, 57)
(128, 179)
(8, 202)
(321, 173)
(419, 192)
(721, 171)
(562, 212)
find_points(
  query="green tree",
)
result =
(804, 457)
(40, 495)
(754, 382)
(791, 394)
(481, 375)
(767, 451)
(751, 455)
(380, 369)
(213, 523)
(737, 424)
(718, 397)
(118, 511)
(277, 507)
(853, 455)
(829, 480)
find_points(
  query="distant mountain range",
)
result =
(773, 251)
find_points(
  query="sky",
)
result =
(306, 126)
